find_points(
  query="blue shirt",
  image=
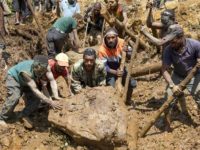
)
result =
(68, 10)
(184, 61)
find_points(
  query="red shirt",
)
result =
(56, 74)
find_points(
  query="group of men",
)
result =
(36, 79)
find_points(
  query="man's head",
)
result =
(175, 36)
(39, 66)
(89, 57)
(111, 38)
(78, 17)
(97, 8)
(168, 17)
(112, 3)
(72, 2)
(62, 62)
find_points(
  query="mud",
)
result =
(148, 96)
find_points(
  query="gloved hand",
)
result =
(176, 90)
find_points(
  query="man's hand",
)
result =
(119, 73)
(149, 4)
(112, 20)
(176, 90)
(198, 62)
(55, 105)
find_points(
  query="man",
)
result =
(21, 80)
(95, 23)
(21, 11)
(58, 33)
(88, 71)
(167, 19)
(183, 54)
(110, 52)
(118, 11)
(59, 67)
(69, 7)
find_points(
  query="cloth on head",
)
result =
(41, 59)
(111, 31)
(173, 31)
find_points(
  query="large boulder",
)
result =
(94, 117)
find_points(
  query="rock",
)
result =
(94, 117)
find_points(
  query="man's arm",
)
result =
(32, 85)
(125, 18)
(166, 75)
(152, 39)
(68, 82)
(53, 83)
(75, 40)
(75, 83)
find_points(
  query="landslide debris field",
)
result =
(23, 43)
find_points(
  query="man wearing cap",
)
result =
(167, 19)
(22, 79)
(88, 71)
(57, 34)
(111, 52)
(183, 53)
(95, 22)
(59, 67)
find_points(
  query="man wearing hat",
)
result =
(88, 71)
(111, 52)
(59, 67)
(22, 79)
(95, 23)
(183, 53)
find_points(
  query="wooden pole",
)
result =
(107, 17)
(129, 70)
(147, 69)
(42, 35)
(182, 86)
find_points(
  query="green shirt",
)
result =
(24, 66)
(80, 77)
(65, 24)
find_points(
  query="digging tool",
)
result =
(85, 34)
(167, 103)
(154, 31)
(102, 30)
(130, 69)
(42, 35)
(118, 84)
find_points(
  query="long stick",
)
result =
(42, 35)
(118, 84)
(182, 86)
(130, 69)
(85, 34)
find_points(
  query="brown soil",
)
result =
(148, 96)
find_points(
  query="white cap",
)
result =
(62, 59)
